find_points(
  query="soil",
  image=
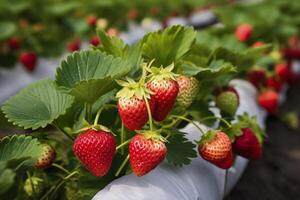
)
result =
(277, 175)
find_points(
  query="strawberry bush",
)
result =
(115, 109)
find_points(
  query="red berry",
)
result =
(274, 83)
(243, 32)
(268, 99)
(291, 53)
(145, 154)
(164, 94)
(257, 77)
(29, 60)
(133, 14)
(91, 20)
(133, 112)
(247, 145)
(282, 71)
(96, 150)
(215, 147)
(14, 43)
(95, 40)
(257, 44)
(227, 162)
(73, 46)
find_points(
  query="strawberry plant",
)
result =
(114, 109)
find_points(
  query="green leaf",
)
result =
(169, 45)
(112, 45)
(216, 68)
(180, 150)
(7, 177)
(7, 30)
(20, 148)
(59, 9)
(37, 105)
(90, 74)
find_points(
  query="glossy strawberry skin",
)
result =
(247, 145)
(165, 93)
(47, 157)
(95, 41)
(227, 162)
(217, 149)
(243, 32)
(29, 60)
(133, 112)
(95, 149)
(269, 101)
(145, 154)
(282, 71)
(257, 77)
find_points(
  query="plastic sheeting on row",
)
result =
(200, 180)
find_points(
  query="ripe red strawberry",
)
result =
(73, 46)
(46, 158)
(291, 53)
(227, 100)
(257, 77)
(95, 40)
(247, 145)
(243, 32)
(257, 44)
(188, 88)
(91, 20)
(14, 43)
(268, 99)
(274, 83)
(28, 59)
(132, 106)
(96, 150)
(215, 147)
(133, 112)
(164, 89)
(282, 71)
(227, 162)
(145, 153)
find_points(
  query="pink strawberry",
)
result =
(243, 32)
(247, 145)
(29, 60)
(268, 99)
(46, 158)
(96, 150)
(164, 89)
(145, 153)
(215, 147)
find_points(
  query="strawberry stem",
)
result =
(88, 112)
(190, 121)
(100, 111)
(32, 185)
(122, 144)
(55, 124)
(122, 165)
(149, 112)
(61, 168)
(225, 183)
(219, 118)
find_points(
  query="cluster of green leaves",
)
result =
(85, 82)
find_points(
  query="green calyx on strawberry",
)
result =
(146, 151)
(215, 147)
(227, 100)
(164, 87)
(132, 105)
(96, 150)
(47, 157)
(188, 88)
